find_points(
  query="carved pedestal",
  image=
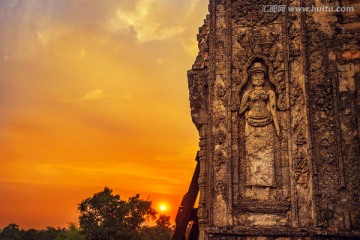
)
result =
(275, 97)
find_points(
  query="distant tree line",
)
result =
(12, 232)
(104, 216)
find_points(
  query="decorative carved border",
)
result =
(246, 206)
(231, 233)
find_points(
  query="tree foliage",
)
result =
(105, 216)
(72, 233)
(12, 232)
(162, 230)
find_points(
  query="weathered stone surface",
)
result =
(276, 100)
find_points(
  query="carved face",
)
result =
(258, 78)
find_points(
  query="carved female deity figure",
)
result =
(259, 106)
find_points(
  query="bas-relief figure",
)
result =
(258, 104)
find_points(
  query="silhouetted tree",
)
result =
(163, 222)
(11, 232)
(72, 233)
(162, 230)
(105, 216)
(49, 233)
(30, 234)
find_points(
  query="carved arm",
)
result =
(244, 104)
(274, 113)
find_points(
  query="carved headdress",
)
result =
(257, 67)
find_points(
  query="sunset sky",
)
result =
(93, 94)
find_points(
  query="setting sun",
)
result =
(163, 207)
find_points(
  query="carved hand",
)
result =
(244, 108)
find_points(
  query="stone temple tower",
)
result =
(275, 96)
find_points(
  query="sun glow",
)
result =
(163, 207)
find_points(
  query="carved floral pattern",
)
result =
(296, 94)
(301, 168)
(300, 139)
(219, 160)
(221, 92)
(218, 120)
(221, 189)
(220, 137)
(324, 126)
(250, 13)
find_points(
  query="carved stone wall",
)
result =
(275, 97)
